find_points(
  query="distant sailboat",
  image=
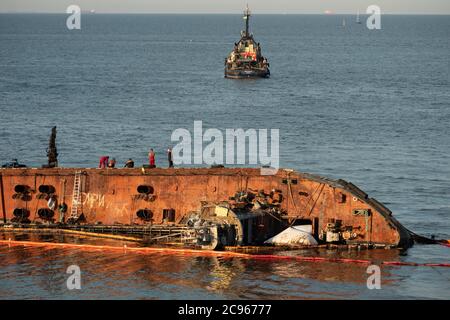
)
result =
(344, 23)
(358, 19)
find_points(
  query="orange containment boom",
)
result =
(225, 254)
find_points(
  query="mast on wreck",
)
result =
(52, 152)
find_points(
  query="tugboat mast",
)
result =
(247, 15)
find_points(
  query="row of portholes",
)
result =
(42, 189)
(21, 214)
(23, 192)
(49, 189)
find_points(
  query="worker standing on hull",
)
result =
(129, 163)
(170, 157)
(104, 160)
(112, 163)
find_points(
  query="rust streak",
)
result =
(2, 194)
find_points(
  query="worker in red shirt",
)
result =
(103, 162)
(151, 158)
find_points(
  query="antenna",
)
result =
(247, 15)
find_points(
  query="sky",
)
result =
(229, 6)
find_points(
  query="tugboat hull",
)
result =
(246, 74)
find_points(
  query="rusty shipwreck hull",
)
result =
(337, 210)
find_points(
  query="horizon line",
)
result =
(228, 13)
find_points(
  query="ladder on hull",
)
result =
(75, 211)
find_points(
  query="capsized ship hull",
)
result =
(243, 206)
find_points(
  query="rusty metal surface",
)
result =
(2, 199)
(110, 196)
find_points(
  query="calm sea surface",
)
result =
(371, 107)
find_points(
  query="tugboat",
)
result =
(246, 61)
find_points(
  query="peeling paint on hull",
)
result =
(114, 196)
